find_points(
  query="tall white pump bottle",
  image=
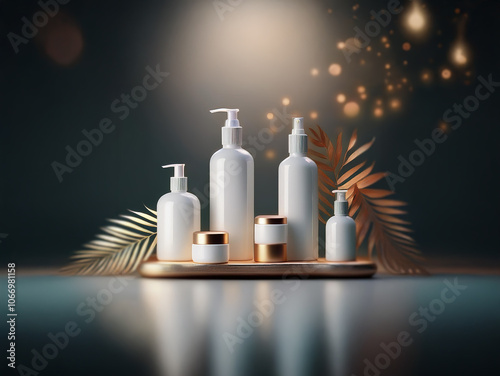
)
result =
(178, 216)
(232, 189)
(298, 196)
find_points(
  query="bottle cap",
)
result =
(297, 141)
(210, 237)
(232, 133)
(340, 205)
(270, 220)
(178, 182)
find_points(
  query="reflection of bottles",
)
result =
(298, 196)
(232, 189)
(179, 331)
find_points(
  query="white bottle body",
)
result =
(340, 239)
(178, 216)
(232, 199)
(298, 201)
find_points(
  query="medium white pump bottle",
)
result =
(232, 189)
(298, 196)
(178, 216)
(340, 231)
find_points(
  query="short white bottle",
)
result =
(340, 232)
(298, 196)
(178, 216)
(232, 189)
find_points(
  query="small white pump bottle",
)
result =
(232, 189)
(340, 232)
(178, 216)
(298, 196)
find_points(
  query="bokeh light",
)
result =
(426, 76)
(459, 56)
(62, 40)
(361, 89)
(340, 45)
(378, 112)
(335, 69)
(341, 98)
(314, 72)
(270, 154)
(406, 46)
(446, 73)
(270, 115)
(351, 109)
(285, 101)
(415, 19)
(395, 104)
(313, 115)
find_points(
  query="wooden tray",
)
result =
(249, 269)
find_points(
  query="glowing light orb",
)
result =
(314, 72)
(446, 74)
(363, 96)
(341, 98)
(388, 66)
(395, 104)
(353, 44)
(416, 19)
(384, 39)
(361, 89)
(63, 42)
(387, 45)
(270, 115)
(378, 112)
(313, 115)
(351, 109)
(406, 46)
(459, 56)
(335, 69)
(285, 101)
(340, 45)
(379, 102)
(270, 154)
(390, 88)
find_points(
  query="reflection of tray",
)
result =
(250, 269)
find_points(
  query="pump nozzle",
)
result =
(231, 132)
(340, 205)
(178, 182)
(232, 116)
(178, 169)
(298, 125)
(297, 141)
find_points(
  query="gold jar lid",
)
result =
(210, 237)
(270, 220)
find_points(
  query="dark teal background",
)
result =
(453, 196)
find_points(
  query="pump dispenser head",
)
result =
(232, 133)
(340, 205)
(178, 182)
(297, 141)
